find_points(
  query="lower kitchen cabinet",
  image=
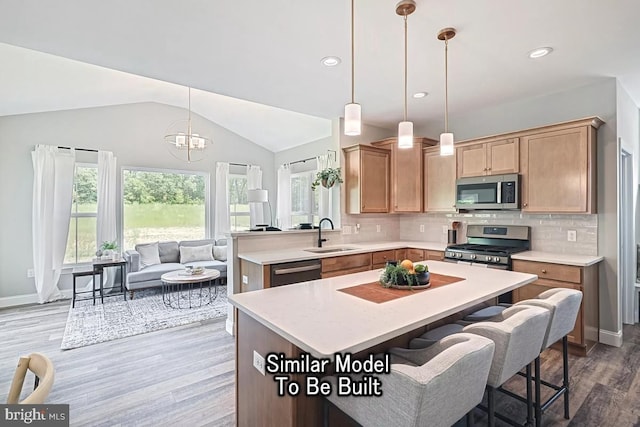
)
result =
(585, 333)
(379, 259)
(346, 264)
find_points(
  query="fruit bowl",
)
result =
(403, 275)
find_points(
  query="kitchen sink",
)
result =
(329, 249)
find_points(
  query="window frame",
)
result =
(207, 195)
(238, 214)
(311, 212)
(77, 215)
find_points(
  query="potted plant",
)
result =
(422, 274)
(109, 248)
(327, 178)
(397, 275)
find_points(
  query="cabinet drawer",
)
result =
(564, 273)
(381, 257)
(343, 272)
(434, 255)
(346, 262)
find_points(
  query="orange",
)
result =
(407, 264)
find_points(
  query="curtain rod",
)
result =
(90, 150)
(313, 158)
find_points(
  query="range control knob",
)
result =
(473, 256)
(459, 255)
(487, 258)
(496, 259)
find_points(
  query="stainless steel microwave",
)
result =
(492, 192)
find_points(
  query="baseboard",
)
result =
(611, 338)
(29, 299)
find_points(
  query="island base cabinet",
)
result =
(585, 279)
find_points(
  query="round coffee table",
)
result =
(182, 290)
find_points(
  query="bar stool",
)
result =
(518, 332)
(436, 386)
(563, 304)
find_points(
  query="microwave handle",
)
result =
(499, 189)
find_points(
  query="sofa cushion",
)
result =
(196, 253)
(169, 251)
(220, 253)
(153, 272)
(197, 242)
(149, 254)
(215, 264)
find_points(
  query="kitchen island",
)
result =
(317, 318)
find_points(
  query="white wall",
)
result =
(133, 132)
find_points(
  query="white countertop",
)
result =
(299, 254)
(320, 320)
(556, 258)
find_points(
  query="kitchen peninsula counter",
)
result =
(315, 317)
(299, 254)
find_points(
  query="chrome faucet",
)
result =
(320, 239)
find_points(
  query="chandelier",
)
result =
(183, 143)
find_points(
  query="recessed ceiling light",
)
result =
(540, 52)
(330, 61)
(420, 94)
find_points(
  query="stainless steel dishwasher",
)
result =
(287, 273)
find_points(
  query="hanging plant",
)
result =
(327, 178)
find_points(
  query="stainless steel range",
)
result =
(491, 245)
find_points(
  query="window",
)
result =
(304, 201)
(239, 219)
(81, 242)
(161, 205)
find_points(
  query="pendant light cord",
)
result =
(446, 84)
(353, 79)
(405, 67)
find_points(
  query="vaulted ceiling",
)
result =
(269, 52)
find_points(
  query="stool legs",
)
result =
(491, 406)
(565, 374)
(529, 401)
(538, 405)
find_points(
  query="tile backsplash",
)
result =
(548, 231)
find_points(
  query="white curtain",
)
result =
(221, 222)
(53, 171)
(325, 199)
(254, 181)
(106, 221)
(284, 197)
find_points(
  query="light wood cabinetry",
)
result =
(430, 255)
(367, 179)
(406, 174)
(346, 264)
(257, 276)
(585, 279)
(401, 254)
(379, 259)
(439, 181)
(488, 158)
(559, 168)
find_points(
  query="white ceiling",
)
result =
(269, 52)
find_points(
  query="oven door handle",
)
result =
(499, 195)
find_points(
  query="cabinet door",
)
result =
(379, 259)
(439, 182)
(346, 262)
(434, 255)
(415, 254)
(557, 171)
(406, 174)
(472, 160)
(401, 254)
(367, 179)
(503, 156)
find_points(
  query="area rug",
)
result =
(89, 324)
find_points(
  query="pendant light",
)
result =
(352, 111)
(183, 143)
(446, 138)
(405, 128)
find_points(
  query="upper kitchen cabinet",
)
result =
(488, 158)
(367, 172)
(439, 181)
(558, 165)
(406, 174)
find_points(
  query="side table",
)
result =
(97, 269)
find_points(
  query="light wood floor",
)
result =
(182, 376)
(185, 375)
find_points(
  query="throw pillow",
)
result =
(149, 254)
(196, 253)
(220, 253)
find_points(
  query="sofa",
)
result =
(149, 261)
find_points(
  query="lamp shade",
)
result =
(257, 196)
(352, 119)
(446, 144)
(405, 135)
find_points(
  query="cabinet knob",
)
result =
(525, 205)
(544, 271)
(484, 169)
(489, 169)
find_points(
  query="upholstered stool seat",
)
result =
(435, 386)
